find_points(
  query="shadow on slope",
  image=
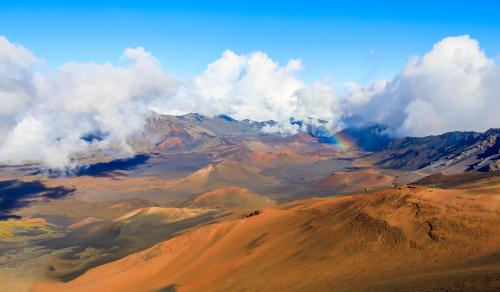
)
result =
(106, 168)
(91, 244)
(15, 194)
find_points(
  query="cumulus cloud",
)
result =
(45, 112)
(45, 115)
(453, 87)
(16, 81)
(255, 87)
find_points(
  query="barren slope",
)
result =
(401, 238)
(231, 198)
(224, 174)
(353, 181)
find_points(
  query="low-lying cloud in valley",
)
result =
(45, 112)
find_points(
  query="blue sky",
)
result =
(348, 40)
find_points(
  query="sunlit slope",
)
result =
(96, 242)
(231, 198)
(224, 174)
(401, 238)
(353, 181)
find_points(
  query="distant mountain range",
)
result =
(451, 152)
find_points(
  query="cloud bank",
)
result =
(45, 112)
(255, 87)
(453, 87)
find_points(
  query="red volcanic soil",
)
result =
(231, 198)
(170, 142)
(406, 238)
(277, 158)
(224, 174)
(353, 181)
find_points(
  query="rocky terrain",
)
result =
(454, 152)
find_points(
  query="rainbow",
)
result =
(345, 142)
(341, 141)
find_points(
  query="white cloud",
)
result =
(255, 87)
(360, 95)
(16, 89)
(44, 116)
(44, 113)
(452, 87)
(51, 111)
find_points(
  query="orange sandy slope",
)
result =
(231, 198)
(400, 238)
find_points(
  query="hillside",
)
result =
(453, 152)
(224, 174)
(92, 242)
(352, 181)
(405, 238)
(195, 188)
(231, 198)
